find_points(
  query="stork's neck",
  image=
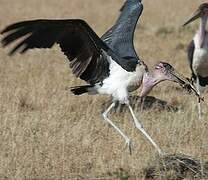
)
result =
(151, 79)
(202, 31)
(156, 77)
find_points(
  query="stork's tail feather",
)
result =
(78, 90)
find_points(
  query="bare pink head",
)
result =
(161, 72)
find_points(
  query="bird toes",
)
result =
(129, 145)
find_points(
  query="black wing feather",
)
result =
(77, 40)
(75, 37)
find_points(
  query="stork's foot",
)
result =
(161, 153)
(201, 116)
(128, 145)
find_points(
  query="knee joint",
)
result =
(104, 115)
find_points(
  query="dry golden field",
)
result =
(47, 133)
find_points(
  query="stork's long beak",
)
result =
(195, 16)
(184, 82)
(164, 71)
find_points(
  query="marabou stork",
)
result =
(108, 64)
(198, 51)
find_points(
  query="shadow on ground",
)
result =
(150, 102)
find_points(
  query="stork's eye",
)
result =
(167, 66)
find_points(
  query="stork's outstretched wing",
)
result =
(84, 49)
(120, 36)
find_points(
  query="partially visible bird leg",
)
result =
(142, 103)
(188, 85)
(192, 80)
(140, 127)
(105, 116)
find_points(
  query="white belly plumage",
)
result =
(200, 58)
(200, 62)
(119, 82)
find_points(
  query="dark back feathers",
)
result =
(190, 54)
(120, 36)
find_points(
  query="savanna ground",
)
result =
(47, 133)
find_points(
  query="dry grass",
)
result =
(47, 133)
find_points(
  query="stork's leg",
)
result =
(105, 116)
(199, 103)
(140, 127)
(142, 103)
